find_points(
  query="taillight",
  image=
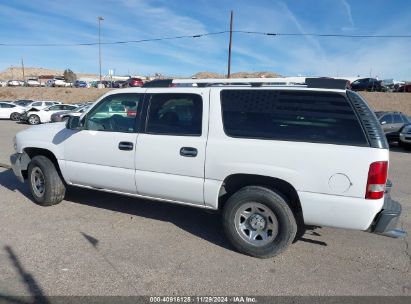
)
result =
(377, 178)
(131, 113)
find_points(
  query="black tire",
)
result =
(54, 188)
(33, 119)
(15, 116)
(287, 226)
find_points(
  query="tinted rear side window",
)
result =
(175, 114)
(322, 117)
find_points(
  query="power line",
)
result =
(112, 42)
(197, 36)
(322, 35)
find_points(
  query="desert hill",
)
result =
(16, 72)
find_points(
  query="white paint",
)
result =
(339, 183)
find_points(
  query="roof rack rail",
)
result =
(244, 81)
(318, 83)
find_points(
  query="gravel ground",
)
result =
(96, 243)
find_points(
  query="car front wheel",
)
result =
(34, 120)
(46, 185)
(258, 221)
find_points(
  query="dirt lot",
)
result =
(96, 243)
(378, 101)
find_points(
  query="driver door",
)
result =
(102, 154)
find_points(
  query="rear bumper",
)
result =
(386, 221)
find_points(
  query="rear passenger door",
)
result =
(170, 152)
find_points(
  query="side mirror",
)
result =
(74, 123)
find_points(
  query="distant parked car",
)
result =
(133, 82)
(94, 84)
(406, 88)
(108, 83)
(58, 82)
(3, 83)
(405, 137)
(118, 84)
(10, 111)
(32, 82)
(34, 116)
(366, 84)
(64, 115)
(13, 83)
(392, 123)
(80, 84)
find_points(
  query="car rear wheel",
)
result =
(34, 120)
(46, 185)
(15, 116)
(259, 222)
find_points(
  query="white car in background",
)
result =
(3, 83)
(59, 82)
(32, 82)
(13, 83)
(35, 117)
(10, 111)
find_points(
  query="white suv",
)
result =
(271, 158)
(59, 82)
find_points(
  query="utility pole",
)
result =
(229, 46)
(99, 43)
(22, 68)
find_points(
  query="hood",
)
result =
(46, 128)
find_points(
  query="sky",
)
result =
(75, 21)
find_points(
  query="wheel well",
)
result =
(235, 182)
(32, 152)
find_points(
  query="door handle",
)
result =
(188, 152)
(125, 145)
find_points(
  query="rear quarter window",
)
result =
(322, 117)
